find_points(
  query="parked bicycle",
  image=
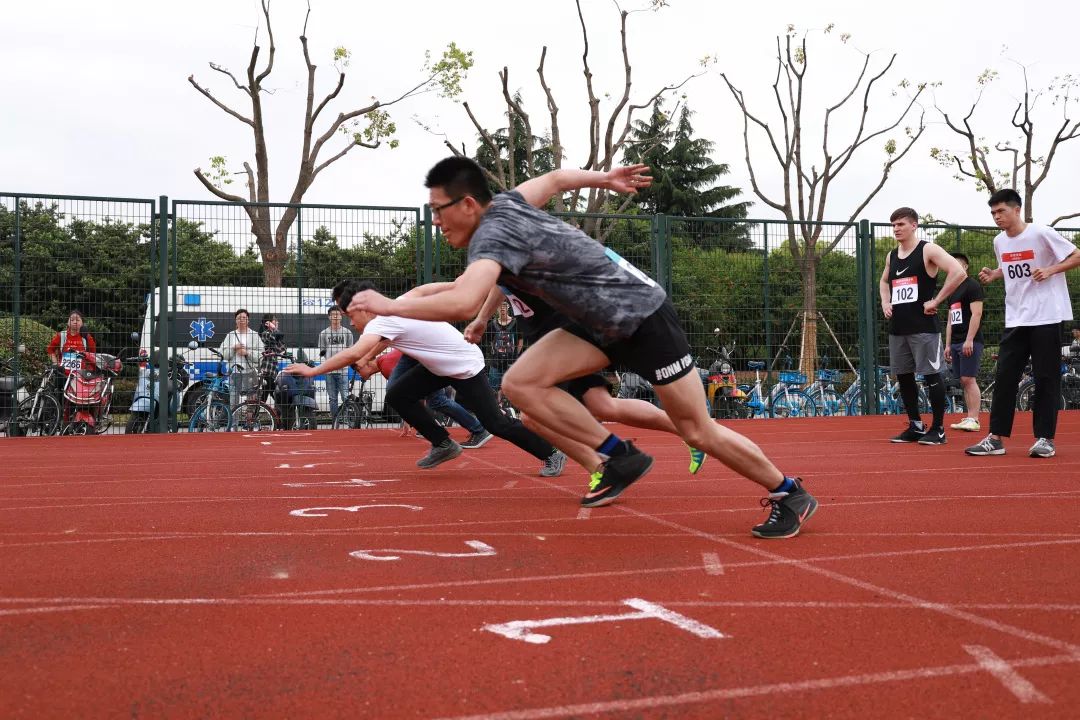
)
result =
(356, 410)
(210, 410)
(823, 392)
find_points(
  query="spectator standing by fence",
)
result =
(333, 340)
(242, 349)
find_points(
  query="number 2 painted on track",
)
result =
(481, 550)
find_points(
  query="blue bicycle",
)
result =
(211, 412)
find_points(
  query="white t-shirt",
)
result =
(1028, 302)
(438, 346)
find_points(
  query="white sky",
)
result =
(96, 99)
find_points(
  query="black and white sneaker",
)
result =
(912, 434)
(933, 436)
(439, 454)
(787, 514)
(615, 475)
(477, 439)
(989, 445)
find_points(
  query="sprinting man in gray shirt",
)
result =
(622, 316)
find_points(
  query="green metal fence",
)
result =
(736, 283)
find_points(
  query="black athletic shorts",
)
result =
(657, 351)
(579, 386)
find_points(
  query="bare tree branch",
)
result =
(221, 105)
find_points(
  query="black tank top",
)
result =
(910, 286)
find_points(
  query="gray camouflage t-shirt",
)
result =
(542, 255)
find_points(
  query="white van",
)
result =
(206, 314)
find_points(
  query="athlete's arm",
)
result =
(934, 255)
(884, 290)
(360, 350)
(474, 331)
(623, 179)
(429, 289)
(1068, 263)
(973, 326)
(987, 276)
(458, 303)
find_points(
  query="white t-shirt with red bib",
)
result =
(438, 346)
(1028, 302)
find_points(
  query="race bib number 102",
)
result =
(905, 290)
(956, 314)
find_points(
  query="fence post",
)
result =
(164, 408)
(16, 298)
(867, 346)
(765, 292)
(661, 256)
(428, 266)
(300, 277)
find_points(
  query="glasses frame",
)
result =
(437, 209)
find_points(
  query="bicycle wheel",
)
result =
(793, 403)
(253, 416)
(348, 415)
(830, 404)
(214, 417)
(1025, 397)
(854, 406)
(39, 415)
(138, 423)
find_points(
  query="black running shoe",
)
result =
(912, 434)
(615, 475)
(933, 436)
(788, 513)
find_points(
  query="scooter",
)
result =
(9, 398)
(88, 393)
(294, 398)
(144, 405)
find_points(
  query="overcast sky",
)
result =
(96, 99)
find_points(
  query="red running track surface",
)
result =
(196, 576)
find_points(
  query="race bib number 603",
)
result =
(1018, 265)
(905, 290)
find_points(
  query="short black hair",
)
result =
(961, 256)
(267, 317)
(76, 311)
(1007, 196)
(241, 310)
(459, 176)
(344, 290)
(904, 212)
(333, 308)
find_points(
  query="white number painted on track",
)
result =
(263, 436)
(354, 482)
(482, 550)
(305, 452)
(522, 629)
(311, 512)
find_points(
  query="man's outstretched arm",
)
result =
(623, 179)
(458, 303)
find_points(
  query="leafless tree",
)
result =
(443, 76)
(606, 134)
(1027, 169)
(804, 184)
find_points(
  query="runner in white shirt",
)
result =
(445, 359)
(1032, 260)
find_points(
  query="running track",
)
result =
(195, 576)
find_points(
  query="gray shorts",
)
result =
(919, 353)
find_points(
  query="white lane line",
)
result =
(57, 608)
(712, 563)
(510, 484)
(997, 666)
(584, 513)
(707, 696)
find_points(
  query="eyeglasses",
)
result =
(437, 209)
